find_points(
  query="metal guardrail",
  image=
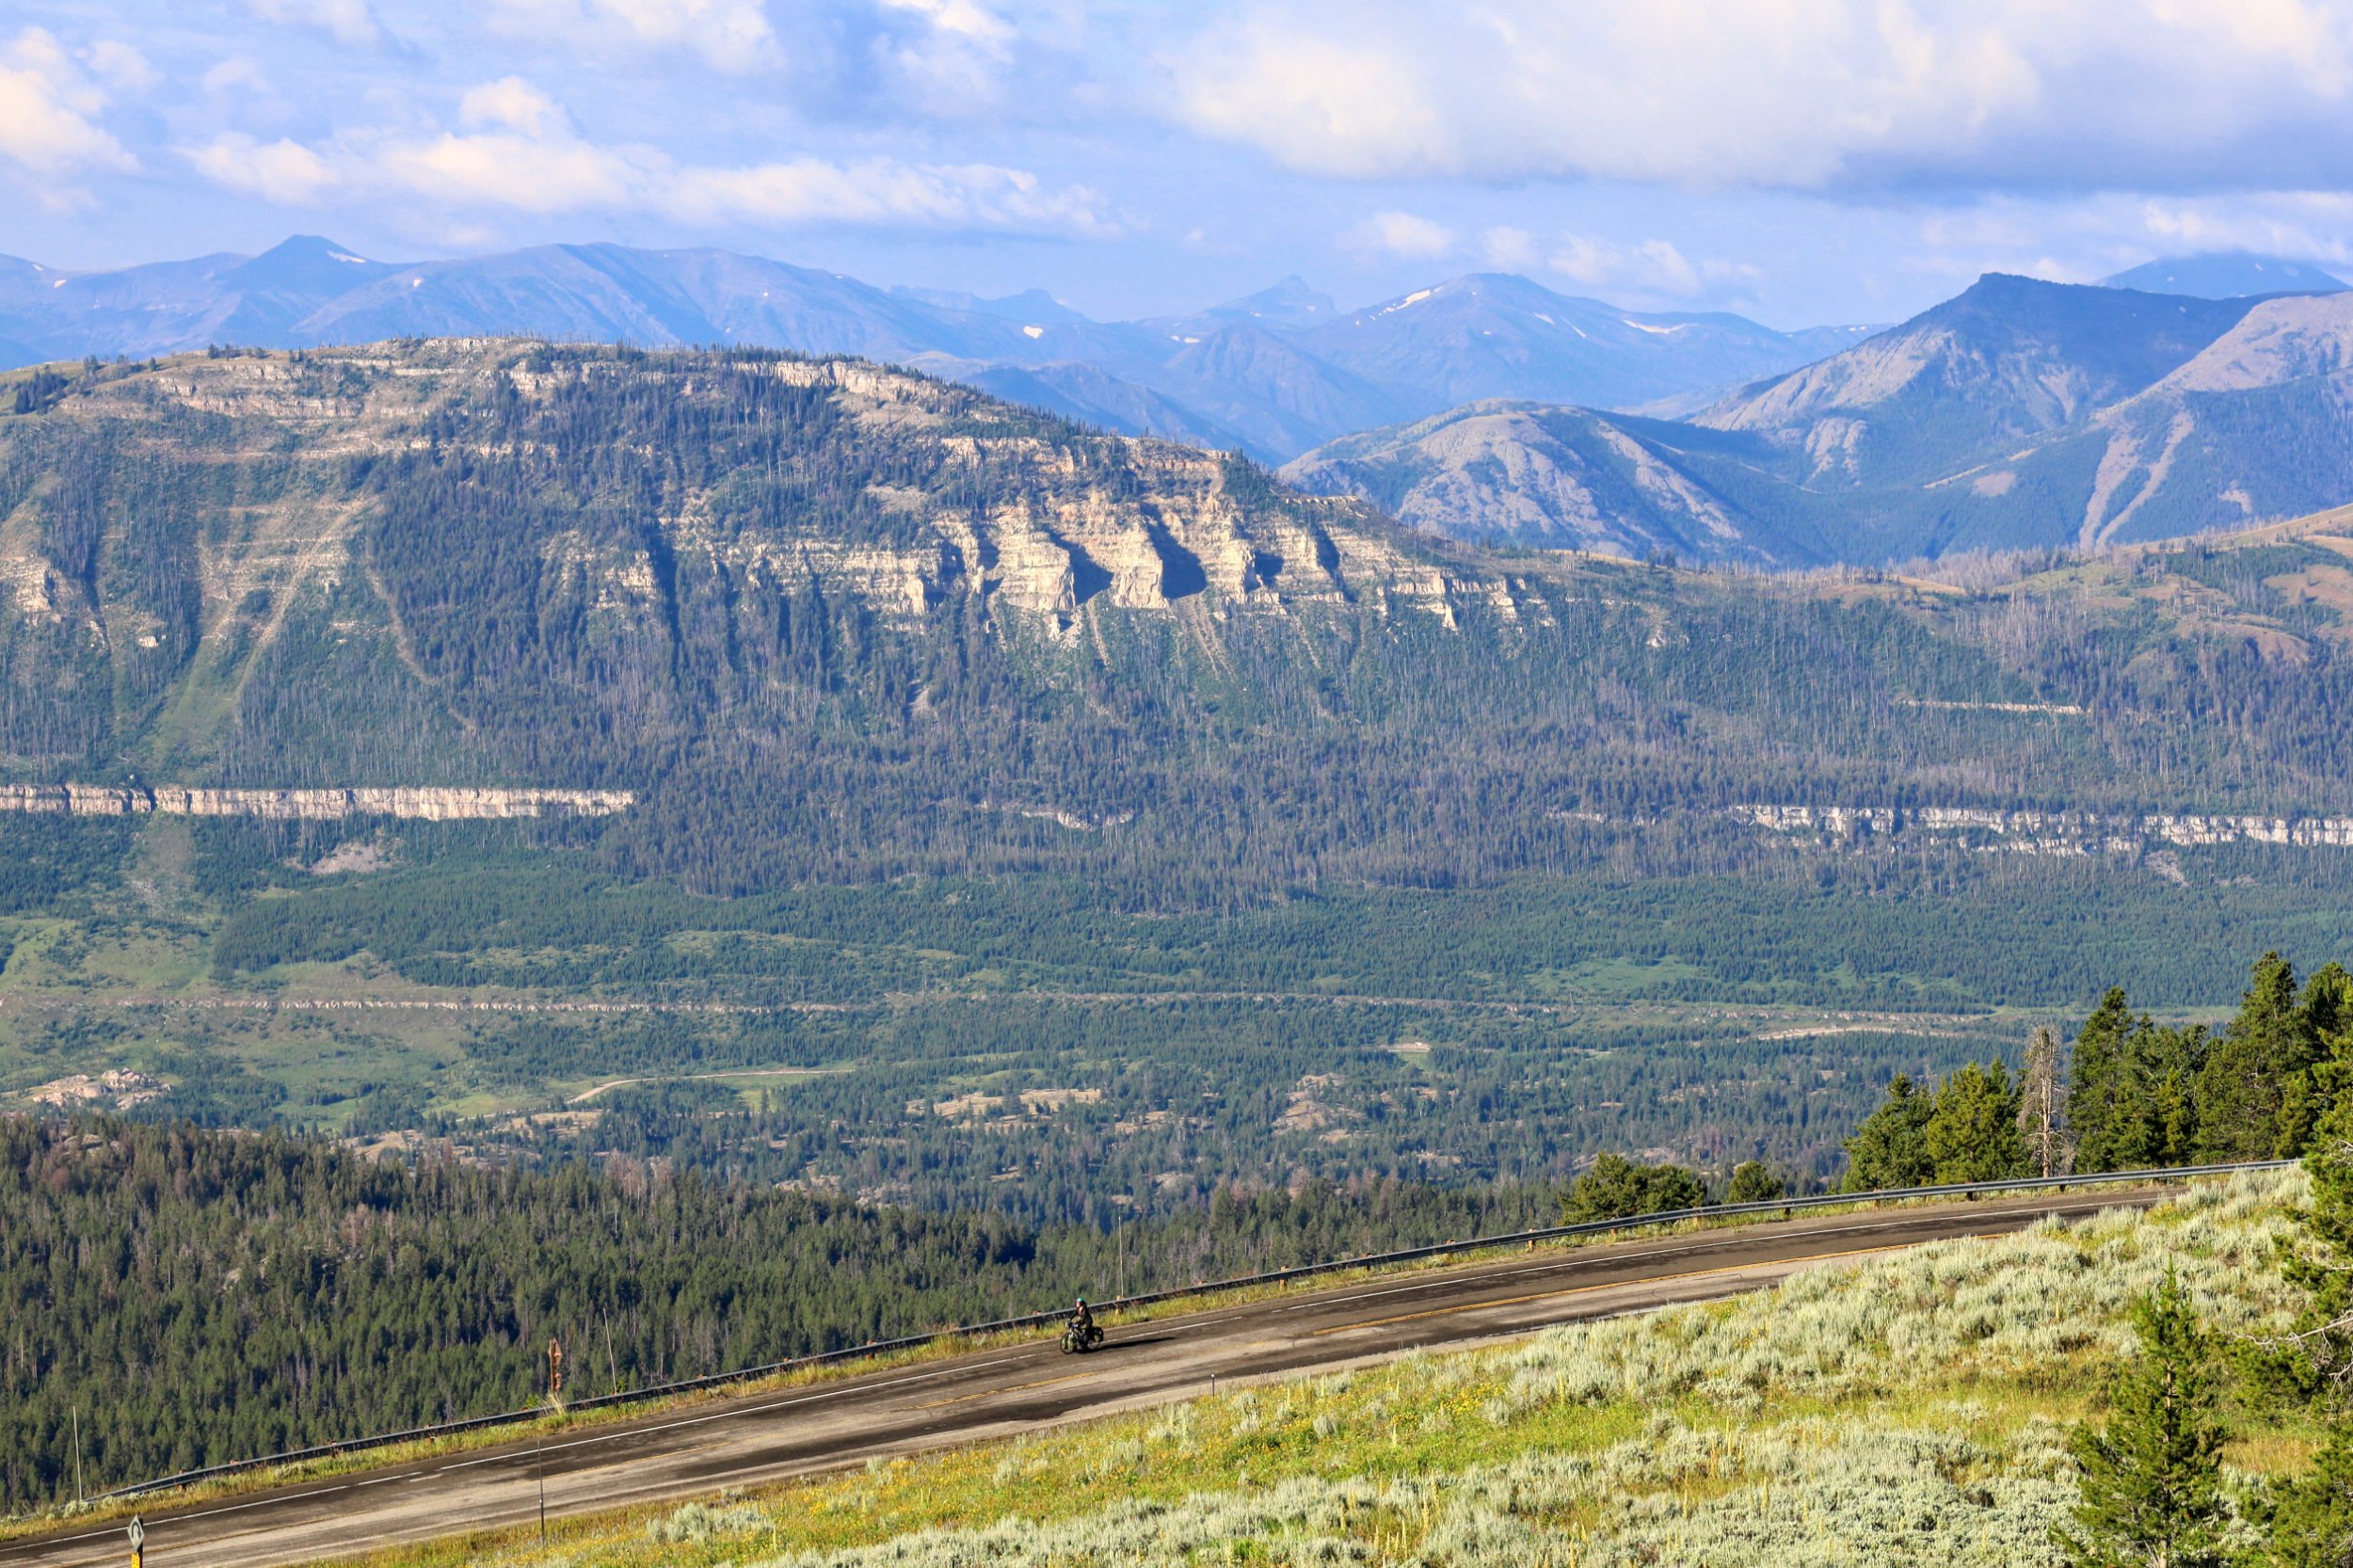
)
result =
(1784, 1206)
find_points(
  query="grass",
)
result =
(1907, 1408)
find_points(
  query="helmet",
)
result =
(1082, 1301)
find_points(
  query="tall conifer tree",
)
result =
(1973, 1135)
(2098, 1089)
(2243, 1087)
(2151, 1479)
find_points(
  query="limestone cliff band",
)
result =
(433, 803)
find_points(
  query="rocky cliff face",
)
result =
(414, 803)
(1071, 541)
(788, 620)
(213, 556)
(1164, 527)
(2050, 832)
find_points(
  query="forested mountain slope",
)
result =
(829, 620)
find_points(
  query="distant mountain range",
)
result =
(2020, 413)
(1272, 373)
(2226, 275)
(1485, 407)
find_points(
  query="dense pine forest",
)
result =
(203, 1295)
(199, 1296)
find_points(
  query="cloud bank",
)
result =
(49, 114)
(1832, 158)
(517, 150)
(1799, 94)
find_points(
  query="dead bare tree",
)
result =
(2043, 1105)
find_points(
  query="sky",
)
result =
(1798, 161)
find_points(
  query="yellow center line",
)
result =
(990, 1393)
(1618, 1284)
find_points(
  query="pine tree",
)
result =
(1753, 1181)
(2322, 1265)
(2173, 1122)
(1616, 1189)
(2152, 1480)
(2132, 1100)
(2326, 1010)
(2100, 1089)
(1890, 1147)
(2243, 1088)
(1973, 1133)
(2310, 1524)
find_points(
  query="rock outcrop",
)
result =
(420, 803)
(2049, 832)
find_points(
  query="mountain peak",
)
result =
(312, 248)
(1289, 303)
(310, 264)
(2226, 275)
(1029, 305)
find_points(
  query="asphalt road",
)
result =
(747, 1439)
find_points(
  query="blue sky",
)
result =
(1797, 160)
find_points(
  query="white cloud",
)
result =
(282, 172)
(2307, 225)
(348, 22)
(1807, 94)
(518, 106)
(944, 57)
(2082, 239)
(1651, 268)
(234, 74)
(961, 18)
(49, 113)
(1402, 234)
(519, 151)
(886, 192)
(119, 66)
(1317, 103)
(1507, 248)
(732, 35)
(1654, 265)
(518, 171)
